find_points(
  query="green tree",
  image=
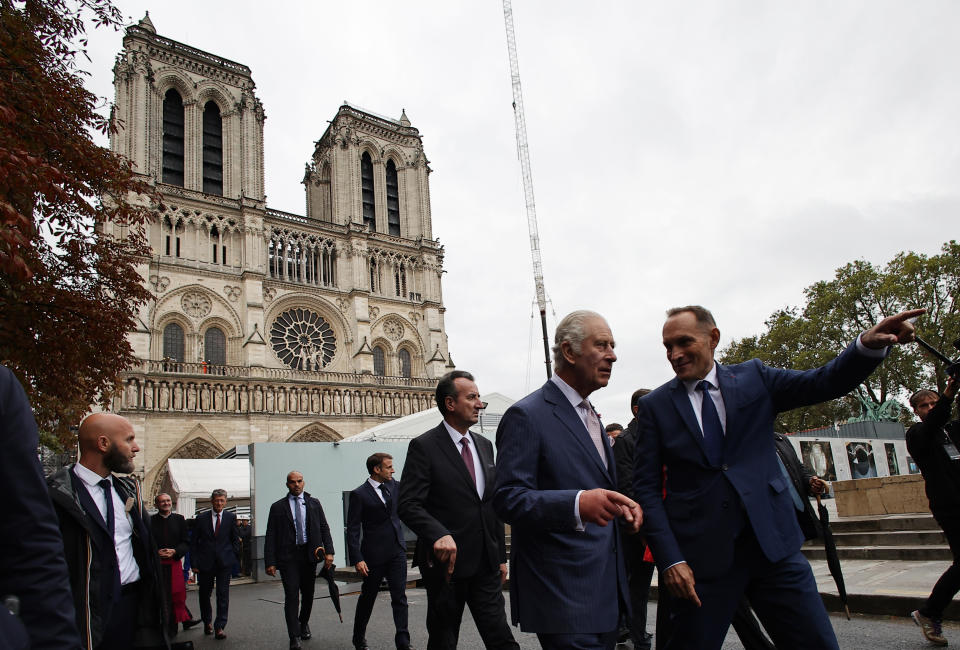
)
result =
(68, 292)
(837, 311)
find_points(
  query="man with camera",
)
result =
(934, 444)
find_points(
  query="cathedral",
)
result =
(267, 326)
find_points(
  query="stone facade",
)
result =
(266, 325)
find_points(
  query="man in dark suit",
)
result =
(639, 572)
(111, 557)
(728, 517)
(213, 552)
(556, 487)
(933, 443)
(297, 537)
(445, 493)
(377, 548)
(170, 533)
(34, 573)
(805, 485)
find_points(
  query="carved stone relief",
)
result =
(196, 304)
(393, 328)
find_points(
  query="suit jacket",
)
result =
(561, 580)
(171, 533)
(35, 572)
(209, 552)
(280, 543)
(374, 532)
(92, 559)
(706, 505)
(800, 476)
(438, 497)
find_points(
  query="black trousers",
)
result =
(395, 571)
(122, 625)
(949, 583)
(639, 577)
(299, 579)
(605, 641)
(445, 600)
(205, 580)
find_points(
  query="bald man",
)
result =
(113, 567)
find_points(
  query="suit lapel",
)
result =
(372, 494)
(732, 399)
(486, 465)
(681, 401)
(571, 421)
(93, 512)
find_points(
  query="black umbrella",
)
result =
(830, 548)
(327, 574)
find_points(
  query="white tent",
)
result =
(411, 426)
(193, 479)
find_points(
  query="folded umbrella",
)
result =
(833, 560)
(328, 575)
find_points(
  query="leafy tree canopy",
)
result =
(837, 311)
(69, 293)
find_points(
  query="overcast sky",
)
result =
(722, 153)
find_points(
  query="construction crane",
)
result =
(523, 151)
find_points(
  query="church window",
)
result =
(400, 279)
(212, 149)
(393, 199)
(366, 192)
(173, 347)
(215, 347)
(303, 340)
(404, 358)
(173, 138)
(214, 240)
(374, 276)
(379, 361)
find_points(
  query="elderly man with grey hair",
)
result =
(556, 486)
(213, 552)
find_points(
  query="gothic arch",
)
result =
(168, 78)
(330, 313)
(171, 303)
(392, 152)
(199, 443)
(315, 432)
(370, 146)
(417, 366)
(209, 90)
(410, 333)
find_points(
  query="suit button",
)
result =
(725, 504)
(724, 467)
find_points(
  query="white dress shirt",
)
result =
(376, 488)
(575, 401)
(122, 526)
(297, 502)
(457, 439)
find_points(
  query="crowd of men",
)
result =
(697, 485)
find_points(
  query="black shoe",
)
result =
(295, 643)
(188, 624)
(305, 631)
(405, 647)
(207, 629)
(362, 645)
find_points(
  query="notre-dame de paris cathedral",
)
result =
(266, 325)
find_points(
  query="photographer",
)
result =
(934, 444)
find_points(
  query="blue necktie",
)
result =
(710, 421)
(108, 493)
(299, 520)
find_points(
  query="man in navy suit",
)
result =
(445, 498)
(34, 573)
(377, 548)
(556, 482)
(213, 552)
(297, 537)
(727, 526)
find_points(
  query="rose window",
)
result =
(303, 340)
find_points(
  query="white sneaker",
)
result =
(932, 630)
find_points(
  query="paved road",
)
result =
(256, 621)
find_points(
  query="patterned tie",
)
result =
(712, 429)
(298, 519)
(593, 427)
(468, 458)
(108, 493)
